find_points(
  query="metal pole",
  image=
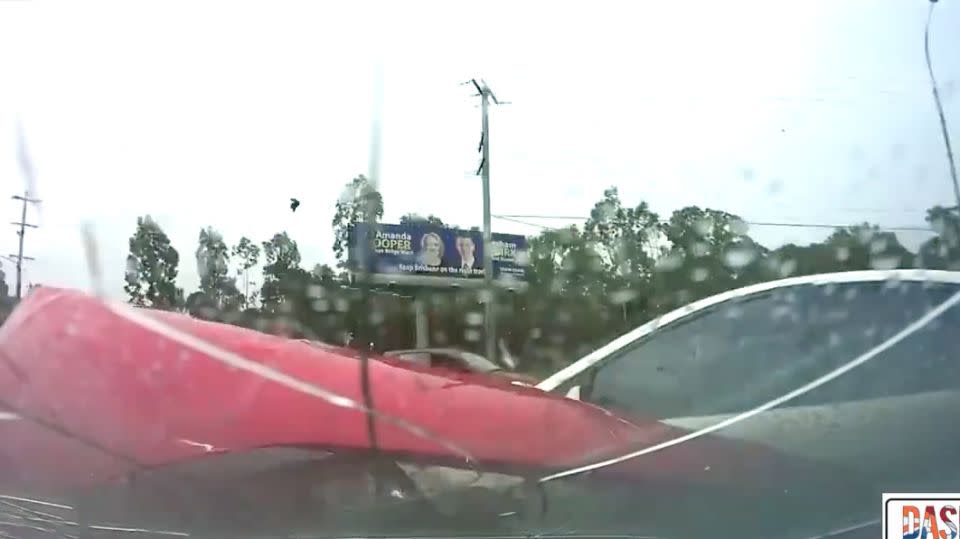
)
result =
(489, 322)
(421, 322)
(23, 220)
(22, 232)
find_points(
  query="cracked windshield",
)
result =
(449, 269)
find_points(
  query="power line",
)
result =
(517, 219)
(23, 225)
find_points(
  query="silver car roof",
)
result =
(601, 353)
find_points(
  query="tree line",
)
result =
(587, 283)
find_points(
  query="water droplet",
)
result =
(884, 262)
(622, 296)
(897, 151)
(71, 329)
(131, 271)
(703, 226)
(733, 312)
(787, 267)
(341, 305)
(775, 186)
(321, 305)
(474, 318)
(892, 282)
(315, 291)
(484, 296)
(739, 256)
(699, 275)
(669, 262)
(878, 245)
(471, 335)
(739, 227)
(837, 315)
(376, 317)
(522, 258)
(699, 248)
(781, 311)
(834, 339)
(843, 254)
(535, 333)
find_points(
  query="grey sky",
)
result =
(217, 113)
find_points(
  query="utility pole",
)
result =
(489, 318)
(23, 224)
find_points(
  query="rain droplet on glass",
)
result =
(622, 296)
(739, 227)
(703, 226)
(474, 319)
(669, 262)
(843, 254)
(698, 275)
(739, 256)
(878, 245)
(884, 262)
(787, 267)
(484, 296)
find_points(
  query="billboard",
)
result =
(423, 250)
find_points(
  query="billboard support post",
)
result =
(420, 319)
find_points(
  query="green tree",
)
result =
(413, 219)
(565, 308)
(218, 290)
(248, 254)
(943, 250)
(860, 247)
(323, 273)
(360, 203)
(709, 252)
(4, 289)
(151, 276)
(283, 278)
(627, 240)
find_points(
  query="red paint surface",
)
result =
(70, 361)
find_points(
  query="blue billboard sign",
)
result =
(433, 251)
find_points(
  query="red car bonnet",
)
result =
(101, 388)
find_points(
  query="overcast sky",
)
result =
(203, 113)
